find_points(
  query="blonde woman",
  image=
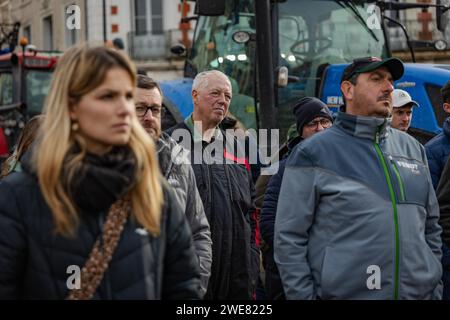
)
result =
(89, 218)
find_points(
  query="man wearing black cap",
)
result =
(357, 215)
(312, 116)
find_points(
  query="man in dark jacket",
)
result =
(438, 150)
(443, 196)
(312, 116)
(173, 161)
(225, 185)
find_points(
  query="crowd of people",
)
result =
(97, 202)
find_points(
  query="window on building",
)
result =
(114, 28)
(157, 17)
(48, 33)
(140, 7)
(71, 34)
(27, 33)
(114, 10)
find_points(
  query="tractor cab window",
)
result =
(313, 34)
(338, 32)
(6, 89)
(37, 84)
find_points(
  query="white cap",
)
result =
(400, 98)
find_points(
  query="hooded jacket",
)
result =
(357, 216)
(175, 167)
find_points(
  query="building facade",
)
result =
(5, 11)
(50, 24)
(420, 25)
(155, 27)
(147, 28)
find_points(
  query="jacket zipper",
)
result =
(207, 179)
(399, 179)
(394, 206)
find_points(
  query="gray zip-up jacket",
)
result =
(174, 162)
(357, 216)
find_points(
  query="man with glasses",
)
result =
(312, 116)
(357, 216)
(175, 167)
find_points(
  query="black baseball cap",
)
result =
(367, 64)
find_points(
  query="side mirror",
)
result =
(178, 50)
(281, 76)
(210, 8)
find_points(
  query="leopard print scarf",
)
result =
(103, 250)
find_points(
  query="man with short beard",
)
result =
(175, 167)
(357, 215)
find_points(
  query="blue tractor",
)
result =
(275, 52)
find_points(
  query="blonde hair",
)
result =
(24, 141)
(79, 71)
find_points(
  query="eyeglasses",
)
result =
(325, 123)
(156, 111)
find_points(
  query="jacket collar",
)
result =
(197, 136)
(446, 127)
(371, 128)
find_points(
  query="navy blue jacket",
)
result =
(228, 194)
(438, 150)
(34, 261)
(274, 287)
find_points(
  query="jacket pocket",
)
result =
(421, 272)
(203, 186)
(239, 185)
(411, 180)
(354, 273)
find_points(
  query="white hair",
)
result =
(201, 79)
